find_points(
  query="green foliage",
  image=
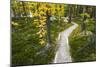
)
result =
(83, 48)
(85, 14)
(91, 25)
(25, 42)
(28, 31)
(83, 44)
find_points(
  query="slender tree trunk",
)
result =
(48, 28)
(77, 10)
(74, 10)
(83, 26)
(70, 14)
(93, 13)
(25, 13)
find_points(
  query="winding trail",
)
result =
(63, 50)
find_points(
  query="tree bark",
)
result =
(83, 26)
(48, 27)
(70, 14)
(24, 10)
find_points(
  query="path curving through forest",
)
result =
(63, 48)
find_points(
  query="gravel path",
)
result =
(63, 50)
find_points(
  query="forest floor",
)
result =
(63, 50)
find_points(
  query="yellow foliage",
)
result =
(43, 33)
(15, 24)
(35, 20)
(40, 26)
(40, 35)
(38, 32)
(42, 42)
(35, 14)
(41, 12)
(43, 21)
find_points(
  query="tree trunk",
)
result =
(48, 28)
(70, 14)
(93, 13)
(83, 26)
(25, 13)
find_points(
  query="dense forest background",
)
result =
(35, 28)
